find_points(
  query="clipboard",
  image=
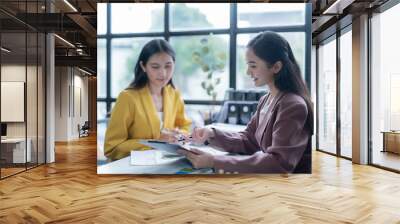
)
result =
(165, 146)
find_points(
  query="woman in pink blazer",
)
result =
(280, 131)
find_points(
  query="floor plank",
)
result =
(70, 191)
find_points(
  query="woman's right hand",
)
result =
(170, 136)
(200, 135)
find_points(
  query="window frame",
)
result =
(379, 10)
(334, 36)
(232, 31)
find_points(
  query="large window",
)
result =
(346, 93)
(187, 73)
(101, 68)
(334, 93)
(296, 41)
(199, 16)
(327, 96)
(102, 20)
(146, 17)
(286, 14)
(385, 89)
(124, 54)
(219, 30)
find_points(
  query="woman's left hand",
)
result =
(198, 158)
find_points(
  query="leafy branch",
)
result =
(211, 61)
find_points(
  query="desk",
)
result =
(177, 166)
(13, 150)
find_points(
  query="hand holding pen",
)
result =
(172, 135)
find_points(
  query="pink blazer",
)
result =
(273, 142)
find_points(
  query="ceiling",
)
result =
(76, 22)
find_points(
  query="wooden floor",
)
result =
(70, 191)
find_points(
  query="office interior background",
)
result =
(52, 78)
(39, 108)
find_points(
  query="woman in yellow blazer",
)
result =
(150, 104)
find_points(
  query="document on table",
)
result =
(164, 146)
(152, 157)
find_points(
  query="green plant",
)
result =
(211, 61)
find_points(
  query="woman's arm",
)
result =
(239, 142)
(116, 142)
(289, 140)
(236, 142)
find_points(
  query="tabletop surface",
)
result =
(178, 165)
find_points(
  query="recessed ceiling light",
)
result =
(5, 50)
(337, 7)
(84, 71)
(64, 40)
(70, 5)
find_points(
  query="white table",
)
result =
(176, 166)
(19, 155)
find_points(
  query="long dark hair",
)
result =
(272, 47)
(152, 47)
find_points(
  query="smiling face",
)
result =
(258, 69)
(159, 69)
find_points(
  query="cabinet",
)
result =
(391, 141)
(13, 151)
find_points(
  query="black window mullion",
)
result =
(338, 123)
(233, 31)
(369, 88)
(108, 59)
(288, 29)
(0, 93)
(26, 87)
(166, 22)
(37, 91)
(317, 96)
(308, 45)
(278, 29)
(232, 45)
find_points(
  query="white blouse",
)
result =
(160, 116)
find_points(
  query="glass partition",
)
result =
(22, 88)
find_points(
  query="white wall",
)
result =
(14, 73)
(33, 127)
(71, 94)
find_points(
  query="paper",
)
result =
(152, 157)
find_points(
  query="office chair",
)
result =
(84, 130)
(304, 165)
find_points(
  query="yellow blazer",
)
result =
(135, 117)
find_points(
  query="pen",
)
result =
(183, 138)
